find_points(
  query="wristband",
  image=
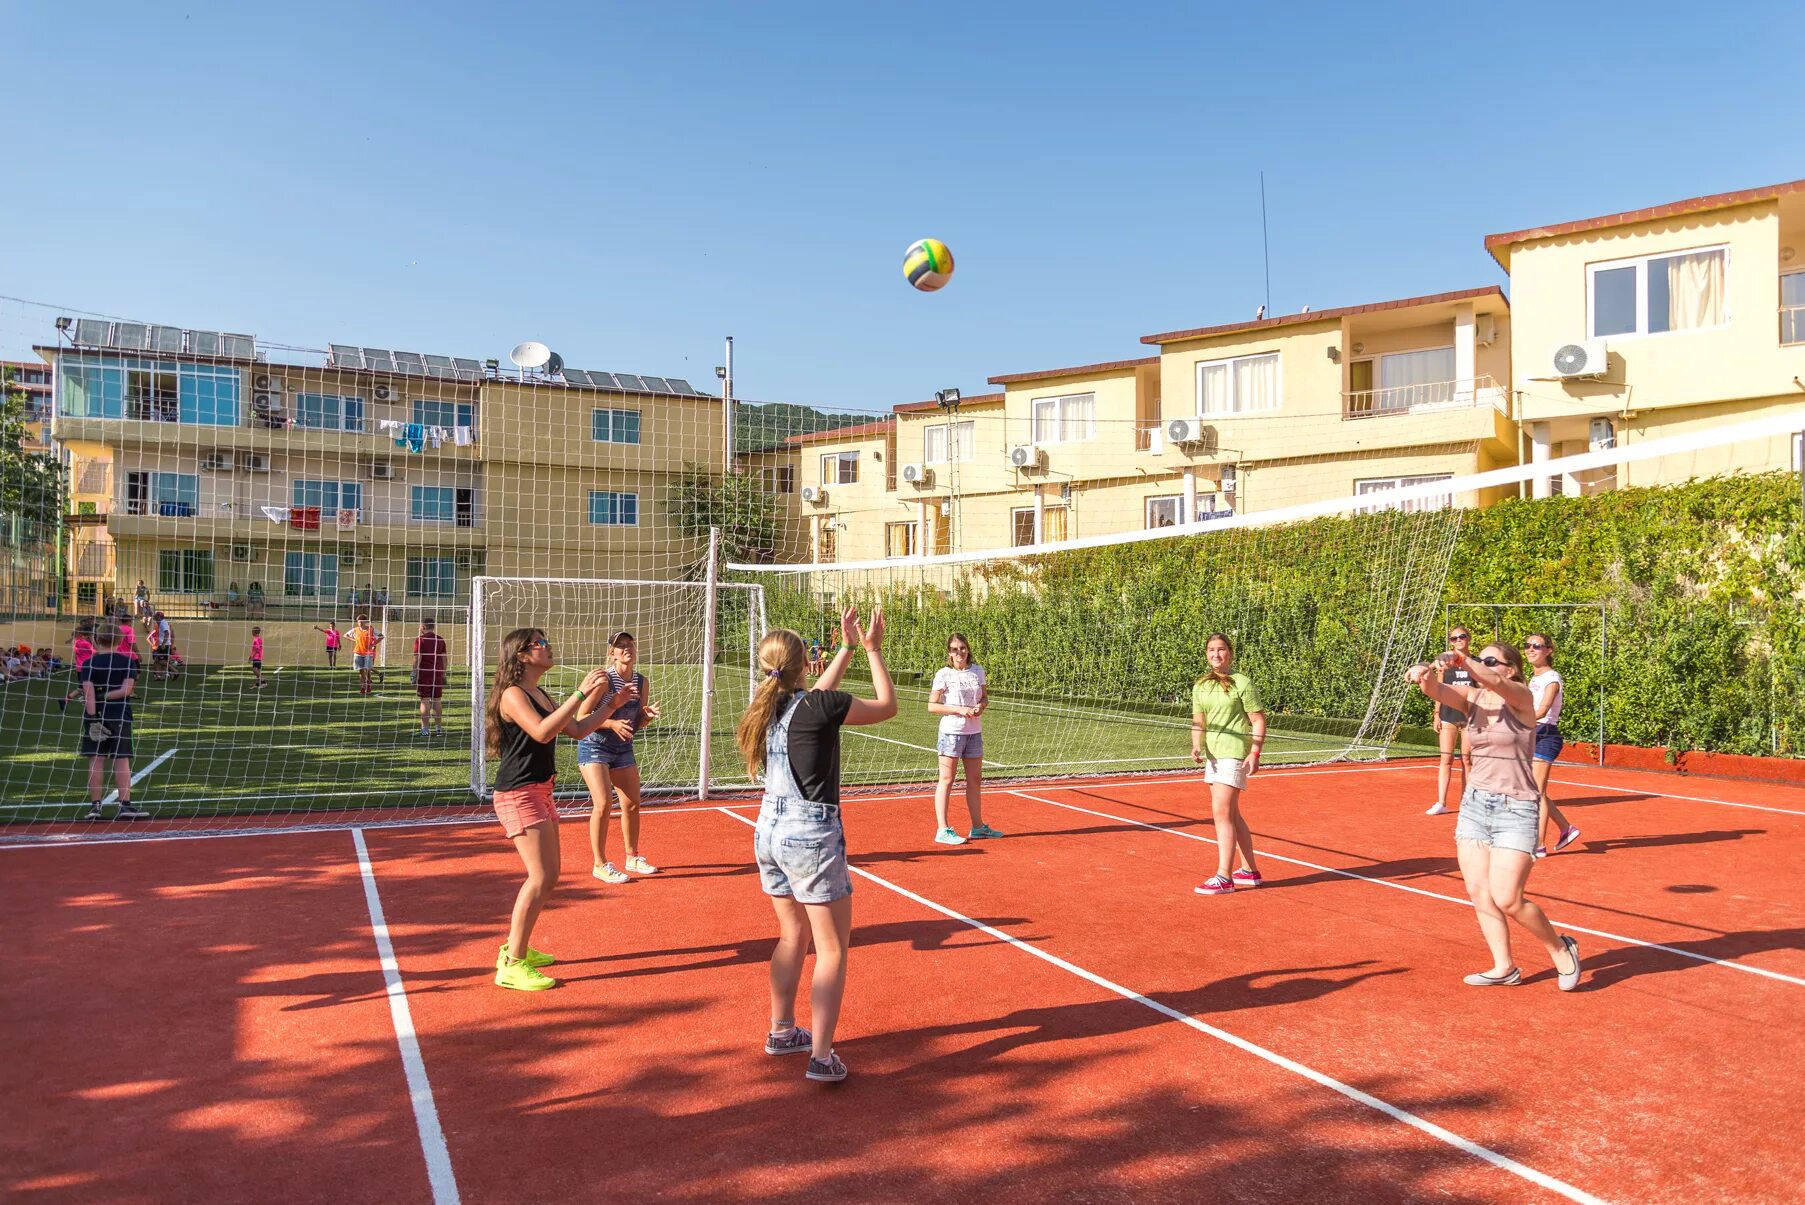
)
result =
(580, 695)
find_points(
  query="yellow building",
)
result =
(847, 492)
(1658, 322)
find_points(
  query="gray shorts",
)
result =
(1497, 820)
(801, 851)
(961, 744)
(363, 660)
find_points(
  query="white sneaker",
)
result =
(1436, 809)
(607, 873)
(640, 866)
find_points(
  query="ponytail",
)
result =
(782, 659)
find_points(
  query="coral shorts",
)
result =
(523, 807)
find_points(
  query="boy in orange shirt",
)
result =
(363, 652)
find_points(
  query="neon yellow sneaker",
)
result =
(534, 958)
(521, 977)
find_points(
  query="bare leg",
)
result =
(1444, 769)
(1546, 809)
(786, 960)
(831, 925)
(943, 791)
(626, 781)
(1243, 836)
(974, 789)
(1475, 869)
(538, 847)
(122, 779)
(1509, 875)
(601, 807)
(1222, 808)
(97, 776)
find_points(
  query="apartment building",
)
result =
(1658, 322)
(216, 470)
(32, 380)
(848, 491)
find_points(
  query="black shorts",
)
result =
(256, 664)
(159, 655)
(117, 745)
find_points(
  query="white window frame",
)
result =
(1228, 364)
(1015, 515)
(1061, 421)
(1178, 510)
(1379, 485)
(839, 459)
(911, 535)
(617, 495)
(1640, 263)
(964, 441)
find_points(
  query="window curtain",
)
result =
(1080, 417)
(1212, 389)
(1413, 378)
(1256, 383)
(1695, 290)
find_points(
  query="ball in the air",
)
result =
(928, 264)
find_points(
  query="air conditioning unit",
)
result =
(1028, 457)
(1580, 360)
(1190, 433)
(219, 461)
(241, 552)
(1603, 435)
(918, 475)
(814, 495)
(383, 470)
(253, 462)
(383, 393)
(263, 382)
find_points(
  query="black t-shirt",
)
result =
(525, 762)
(815, 744)
(110, 671)
(1460, 677)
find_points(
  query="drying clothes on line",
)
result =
(274, 514)
(461, 436)
(412, 437)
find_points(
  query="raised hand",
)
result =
(874, 635)
(594, 680)
(1416, 673)
(850, 632)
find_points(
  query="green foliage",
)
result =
(758, 428)
(32, 495)
(737, 504)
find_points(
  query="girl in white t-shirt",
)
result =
(1549, 689)
(960, 695)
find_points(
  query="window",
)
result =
(431, 576)
(1053, 524)
(330, 496)
(328, 412)
(185, 570)
(1065, 419)
(432, 503)
(840, 468)
(310, 574)
(1242, 385)
(899, 539)
(209, 394)
(1165, 512)
(1379, 485)
(168, 494)
(151, 391)
(93, 388)
(1021, 526)
(1792, 308)
(614, 426)
(778, 479)
(933, 449)
(608, 508)
(1658, 294)
(445, 414)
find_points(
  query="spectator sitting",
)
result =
(141, 599)
(254, 600)
(15, 669)
(233, 598)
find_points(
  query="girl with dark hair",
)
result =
(1228, 728)
(522, 727)
(606, 761)
(960, 694)
(1496, 833)
(792, 735)
(1549, 689)
(1451, 727)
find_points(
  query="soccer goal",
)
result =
(400, 624)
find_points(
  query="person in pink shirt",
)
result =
(82, 642)
(332, 643)
(128, 639)
(257, 657)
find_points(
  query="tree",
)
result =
(738, 504)
(32, 494)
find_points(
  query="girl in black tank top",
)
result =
(523, 726)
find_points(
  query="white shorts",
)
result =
(1229, 771)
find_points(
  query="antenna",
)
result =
(1265, 245)
(529, 355)
(554, 365)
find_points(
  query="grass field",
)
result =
(309, 741)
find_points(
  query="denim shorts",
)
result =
(801, 852)
(1497, 820)
(961, 744)
(363, 660)
(592, 752)
(1549, 742)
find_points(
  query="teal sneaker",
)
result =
(947, 836)
(980, 832)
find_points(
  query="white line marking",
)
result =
(1434, 895)
(113, 795)
(1503, 1162)
(1729, 803)
(419, 1091)
(872, 736)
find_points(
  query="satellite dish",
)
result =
(554, 365)
(530, 355)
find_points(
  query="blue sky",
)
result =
(629, 183)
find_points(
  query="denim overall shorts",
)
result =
(799, 845)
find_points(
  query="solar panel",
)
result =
(346, 356)
(239, 347)
(166, 339)
(203, 343)
(134, 336)
(630, 382)
(438, 361)
(379, 359)
(465, 365)
(92, 331)
(410, 361)
(603, 380)
(576, 376)
(657, 384)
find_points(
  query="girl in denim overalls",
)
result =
(799, 843)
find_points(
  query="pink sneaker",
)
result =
(1247, 878)
(1567, 838)
(1216, 884)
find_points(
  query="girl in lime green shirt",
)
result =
(1228, 728)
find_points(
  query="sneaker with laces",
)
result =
(607, 873)
(829, 1070)
(131, 811)
(638, 865)
(95, 812)
(534, 958)
(982, 832)
(947, 836)
(516, 974)
(1568, 836)
(795, 1041)
(1436, 809)
(1247, 878)
(1216, 884)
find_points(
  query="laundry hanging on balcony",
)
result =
(275, 514)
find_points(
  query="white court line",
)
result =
(1434, 895)
(113, 795)
(419, 1090)
(1467, 1145)
(872, 736)
(1729, 803)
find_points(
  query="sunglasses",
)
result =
(1492, 661)
(1535, 645)
(538, 644)
(1458, 639)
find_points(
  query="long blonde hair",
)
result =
(507, 673)
(782, 658)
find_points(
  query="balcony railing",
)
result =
(1792, 324)
(1426, 398)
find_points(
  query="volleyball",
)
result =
(928, 264)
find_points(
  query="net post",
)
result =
(474, 639)
(711, 606)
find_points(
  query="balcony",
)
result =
(1431, 397)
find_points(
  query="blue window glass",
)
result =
(175, 494)
(609, 508)
(432, 503)
(431, 576)
(310, 574)
(209, 395)
(185, 570)
(328, 412)
(445, 414)
(92, 387)
(615, 426)
(329, 496)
